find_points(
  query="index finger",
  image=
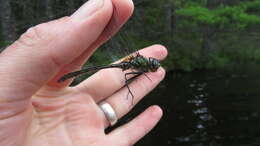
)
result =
(122, 10)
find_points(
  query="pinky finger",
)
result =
(133, 131)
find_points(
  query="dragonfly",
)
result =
(138, 63)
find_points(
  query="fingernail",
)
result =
(87, 9)
(157, 111)
(160, 71)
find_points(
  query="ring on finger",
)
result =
(109, 112)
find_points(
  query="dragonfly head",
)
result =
(154, 64)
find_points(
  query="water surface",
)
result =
(206, 108)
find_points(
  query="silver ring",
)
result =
(109, 112)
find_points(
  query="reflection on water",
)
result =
(201, 114)
(206, 108)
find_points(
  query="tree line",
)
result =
(200, 34)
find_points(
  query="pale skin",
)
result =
(36, 110)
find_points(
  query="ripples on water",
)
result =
(206, 109)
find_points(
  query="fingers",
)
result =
(38, 55)
(106, 82)
(123, 102)
(133, 131)
(122, 10)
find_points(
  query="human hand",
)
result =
(36, 110)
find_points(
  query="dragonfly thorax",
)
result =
(142, 64)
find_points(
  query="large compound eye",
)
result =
(154, 64)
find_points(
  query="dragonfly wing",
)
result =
(119, 46)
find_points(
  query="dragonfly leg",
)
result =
(148, 77)
(127, 81)
(136, 74)
(129, 92)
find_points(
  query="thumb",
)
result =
(40, 52)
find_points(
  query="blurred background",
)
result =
(211, 94)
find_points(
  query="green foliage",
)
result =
(98, 58)
(202, 37)
(216, 37)
(256, 55)
(252, 6)
(198, 33)
(222, 16)
(218, 61)
(198, 14)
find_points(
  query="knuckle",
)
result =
(31, 37)
(42, 33)
(32, 32)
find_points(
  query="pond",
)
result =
(206, 108)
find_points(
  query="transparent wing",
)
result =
(119, 45)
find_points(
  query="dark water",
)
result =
(206, 108)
